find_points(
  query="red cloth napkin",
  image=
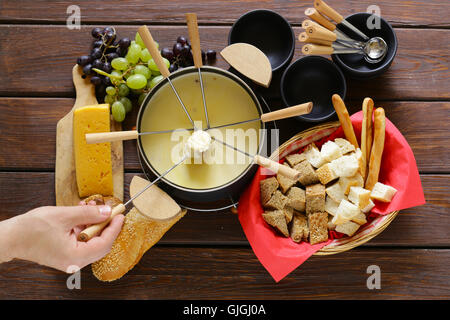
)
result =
(280, 255)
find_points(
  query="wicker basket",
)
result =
(365, 233)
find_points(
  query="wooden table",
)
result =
(206, 255)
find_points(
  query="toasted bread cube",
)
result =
(382, 192)
(268, 188)
(359, 196)
(307, 174)
(331, 225)
(360, 219)
(347, 182)
(318, 227)
(331, 206)
(288, 213)
(349, 228)
(330, 151)
(344, 145)
(313, 155)
(315, 198)
(369, 207)
(326, 174)
(345, 166)
(299, 228)
(336, 192)
(295, 158)
(277, 220)
(285, 182)
(296, 199)
(277, 202)
(345, 212)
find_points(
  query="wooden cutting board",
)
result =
(66, 190)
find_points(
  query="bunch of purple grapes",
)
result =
(180, 55)
(104, 49)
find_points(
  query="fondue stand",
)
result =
(200, 141)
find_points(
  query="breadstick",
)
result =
(344, 119)
(376, 153)
(366, 133)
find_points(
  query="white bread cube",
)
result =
(330, 151)
(368, 207)
(313, 156)
(344, 145)
(345, 212)
(359, 158)
(326, 174)
(382, 192)
(331, 225)
(345, 166)
(331, 206)
(347, 182)
(359, 196)
(349, 228)
(336, 192)
(360, 219)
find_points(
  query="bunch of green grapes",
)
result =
(134, 74)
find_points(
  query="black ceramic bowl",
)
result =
(316, 79)
(269, 32)
(354, 65)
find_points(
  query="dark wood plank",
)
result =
(417, 12)
(28, 126)
(22, 191)
(211, 273)
(419, 71)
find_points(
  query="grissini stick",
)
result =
(379, 127)
(366, 133)
(344, 119)
(326, 10)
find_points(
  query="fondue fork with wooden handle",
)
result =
(284, 113)
(191, 19)
(156, 55)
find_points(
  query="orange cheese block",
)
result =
(92, 161)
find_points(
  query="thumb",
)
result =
(85, 215)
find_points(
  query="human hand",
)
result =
(48, 235)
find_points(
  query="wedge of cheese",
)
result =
(93, 165)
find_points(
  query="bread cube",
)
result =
(359, 196)
(296, 199)
(315, 198)
(347, 182)
(369, 207)
(331, 225)
(326, 174)
(299, 228)
(330, 151)
(344, 145)
(345, 212)
(336, 192)
(307, 174)
(318, 227)
(285, 182)
(288, 213)
(331, 206)
(313, 155)
(382, 192)
(277, 201)
(268, 188)
(349, 228)
(360, 219)
(359, 158)
(277, 220)
(295, 158)
(345, 166)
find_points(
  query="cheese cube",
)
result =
(330, 151)
(93, 165)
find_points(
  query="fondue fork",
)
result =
(102, 137)
(266, 162)
(156, 55)
(194, 36)
(95, 229)
(293, 111)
